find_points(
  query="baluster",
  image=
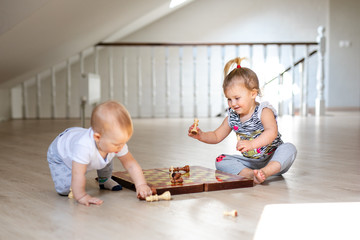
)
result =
(320, 99)
(265, 53)
(305, 82)
(280, 87)
(68, 88)
(301, 74)
(24, 100)
(167, 83)
(38, 95)
(222, 67)
(280, 101)
(153, 84)
(292, 60)
(111, 73)
(53, 93)
(194, 82)
(81, 63)
(237, 50)
(181, 82)
(139, 92)
(96, 60)
(125, 81)
(209, 79)
(251, 55)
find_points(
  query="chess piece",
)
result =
(176, 175)
(70, 195)
(176, 178)
(186, 168)
(194, 130)
(165, 196)
(179, 180)
(232, 213)
(153, 192)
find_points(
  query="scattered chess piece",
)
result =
(165, 196)
(232, 213)
(70, 195)
(194, 130)
(153, 192)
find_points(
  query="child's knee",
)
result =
(62, 185)
(288, 155)
(292, 150)
(63, 191)
(228, 163)
(219, 163)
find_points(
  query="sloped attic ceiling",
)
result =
(35, 34)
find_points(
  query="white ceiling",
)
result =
(35, 34)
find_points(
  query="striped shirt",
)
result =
(252, 128)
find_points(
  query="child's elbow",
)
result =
(274, 135)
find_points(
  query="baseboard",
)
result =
(343, 109)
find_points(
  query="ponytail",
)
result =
(236, 61)
(239, 73)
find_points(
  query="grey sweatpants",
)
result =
(285, 154)
(61, 174)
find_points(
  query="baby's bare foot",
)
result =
(259, 176)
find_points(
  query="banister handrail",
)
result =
(119, 44)
(289, 68)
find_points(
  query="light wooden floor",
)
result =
(327, 169)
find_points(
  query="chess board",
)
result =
(199, 179)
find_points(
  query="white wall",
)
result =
(239, 21)
(344, 62)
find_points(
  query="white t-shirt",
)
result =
(78, 144)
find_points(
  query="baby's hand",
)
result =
(197, 135)
(244, 146)
(143, 190)
(87, 200)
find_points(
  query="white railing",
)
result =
(176, 79)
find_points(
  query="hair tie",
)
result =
(238, 66)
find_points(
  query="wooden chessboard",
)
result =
(199, 179)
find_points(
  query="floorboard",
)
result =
(326, 170)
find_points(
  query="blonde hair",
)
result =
(110, 114)
(244, 74)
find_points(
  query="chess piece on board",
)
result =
(176, 178)
(176, 175)
(165, 196)
(179, 180)
(232, 213)
(186, 168)
(196, 123)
